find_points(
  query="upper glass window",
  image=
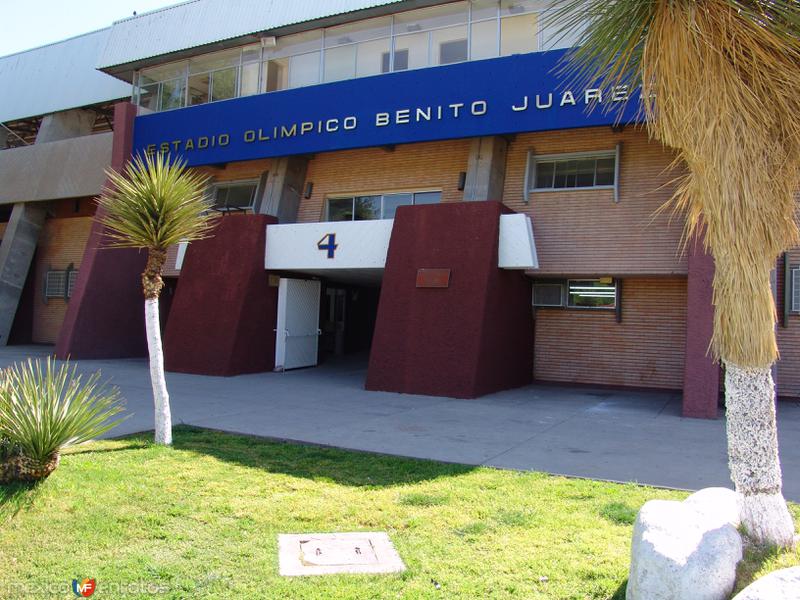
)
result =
(592, 293)
(238, 196)
(364, 208)
(438, 35)
(578, 171)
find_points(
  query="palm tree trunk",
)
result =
(753, 455)
(152, 284)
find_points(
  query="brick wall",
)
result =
(61, 242)
(788, 340)
(589, 346)
(585, 232)
(410, 167)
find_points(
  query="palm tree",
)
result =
(720, 83)
(153, 204)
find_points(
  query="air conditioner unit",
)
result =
(548, 294)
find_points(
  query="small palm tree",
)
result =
(153, 204)
(720, 83)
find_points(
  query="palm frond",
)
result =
(720, 84)
(155, 203)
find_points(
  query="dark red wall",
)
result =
(701, 376)
(469, 339)
(223, 315)
(105, 316)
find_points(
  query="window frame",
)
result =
(794, 289)
(529, 181)
(217, 186)
(382, 195)
(247, 53)
(568, 294)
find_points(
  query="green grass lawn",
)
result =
(201, 520)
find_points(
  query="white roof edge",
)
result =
(65, 40)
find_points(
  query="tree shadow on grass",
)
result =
(621, 590)
(15, 497)
(344, 467)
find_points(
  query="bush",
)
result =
(44, 409)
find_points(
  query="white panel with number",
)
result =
(297, 335)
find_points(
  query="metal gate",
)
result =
(297, 338)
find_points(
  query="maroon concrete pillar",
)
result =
(105, 316)
(463, 332)
(701, 376)
(223, 315)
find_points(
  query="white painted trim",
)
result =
(516, 246)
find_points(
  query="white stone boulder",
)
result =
(719, 505)
(685, 550)
(778, 585)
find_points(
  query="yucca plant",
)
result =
(44, 409)
(720, 82)
(155, 203)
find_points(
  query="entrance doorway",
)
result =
(347, 320)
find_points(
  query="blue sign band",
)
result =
(497, 96)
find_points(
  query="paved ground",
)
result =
(622, 436)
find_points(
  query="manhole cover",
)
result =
(328, 553)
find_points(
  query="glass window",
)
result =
(163, 72)
(518, 7)
(238, 196)
(276, 75)
(173, 94)
(364, 208)
(217, 60)
(571, 173)
(149, 96)
(340, 63)
(370, 57)
(484, 9)
(340, 209)
(427, 197)
(248, 84)
(198, 88)
(413, 49)
(299, 43)
(431, 18)
(593, 293)
(449, 45)
(484, 40)
(367, 208)
(304, 70)
(392, 201)
(223, 84)
(519, 34)
(360, 31)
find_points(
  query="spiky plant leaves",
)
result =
(44, 409)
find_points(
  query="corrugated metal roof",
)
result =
(200, 22)
(56, 77)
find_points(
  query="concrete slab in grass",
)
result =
(331, 553)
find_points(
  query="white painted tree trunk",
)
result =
(160, 396)
(753, 455)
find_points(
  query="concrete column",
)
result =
(65, 125)
(701, 375)
(486, 169)
(284, 188)
(16, 255)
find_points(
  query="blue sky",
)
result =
(27, 24)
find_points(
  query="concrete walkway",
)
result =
(621, 436)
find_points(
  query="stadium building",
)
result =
(410, 182)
